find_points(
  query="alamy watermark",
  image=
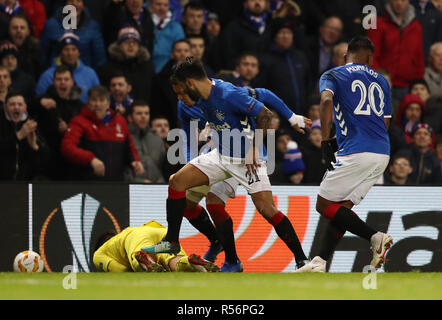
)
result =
(70, 19)
(369, 21)
(70, 281)
(370, 281)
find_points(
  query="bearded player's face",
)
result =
(188, 95)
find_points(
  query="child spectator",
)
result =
(411, 112)
(398, 171)
(98, 141)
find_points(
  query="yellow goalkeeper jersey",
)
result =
(118, 253)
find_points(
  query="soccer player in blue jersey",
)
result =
(226, 108)
(359, 97)
(218, 194)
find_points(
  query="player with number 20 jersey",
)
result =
(359, 99)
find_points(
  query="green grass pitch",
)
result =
(219, 286)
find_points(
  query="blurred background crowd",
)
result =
(95, 103)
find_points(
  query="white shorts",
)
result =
(219, 168)
(353, 176)
(224, 190)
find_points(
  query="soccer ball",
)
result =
(28, 261)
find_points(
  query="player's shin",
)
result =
(286, 232)
(333, 234)
(199, 219)
(224, 228)
(175, 205)
(346, 219)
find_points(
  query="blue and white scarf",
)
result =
(258, 22)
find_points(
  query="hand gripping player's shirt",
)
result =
(360, 100)
(122, 253)
(228, 110)
(193, 121)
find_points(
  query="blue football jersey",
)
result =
(192, 120)
(361, 101)
(227, 108)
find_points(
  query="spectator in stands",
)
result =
(160, 124)
(398, 45)
(197, 50)
(213, 27)
(98, 141)
(5, 83)
(350, 13)
(293, 165)
(312, 156)
(54, 110)
(193, 20)
(282, 138)
(167, 32)
(128, 56)
(411, 112)
(249, 32)
(320, 50)
(289, 9)
(120, 93)
(36, 13)
(430, 19)
(339, 52)
(313, 110)
(20, 80)
(8, 8)
(426, 166)
(420, 88)
(246, 71)
(164, 99)
(286, 70)
(398, 171)
(30, 54)
(433, 73)
(433, 104)
(123, 13)
(213, 42)
(90, 44)
(149, 145)
(84, 76)
(23, 152)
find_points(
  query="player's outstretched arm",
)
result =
(272, 100)
(263, 119)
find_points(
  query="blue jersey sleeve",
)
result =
(273, 101)
(244, 103)
(327, 82)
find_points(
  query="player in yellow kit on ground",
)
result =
(122, 253)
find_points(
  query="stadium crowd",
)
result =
(54, 127)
